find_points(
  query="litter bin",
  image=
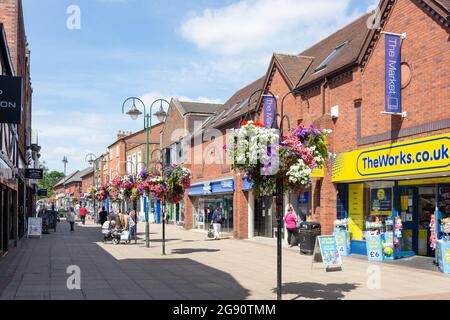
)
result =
(308, 233)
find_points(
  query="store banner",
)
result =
(10, 99)
(393, 73)
(270, 109)
(381, 201)
(420, 156)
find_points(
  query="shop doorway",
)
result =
(417, 204)
(265, 217)
(205, 207)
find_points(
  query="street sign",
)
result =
(35, 174)
(10, 99)
(326, 251)
(42, 193)
(34, 227)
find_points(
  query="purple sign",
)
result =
(269, 111)
(393, 73)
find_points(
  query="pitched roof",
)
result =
(353, 35)
(86, 172)
(61, 182)
(445, 4)
(236, 106)
(186, 107)
(293, 67)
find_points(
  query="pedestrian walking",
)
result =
(83, 214)
(217, 220)
(291, 220)
(103, 216)
(129, 225)
(71, 219)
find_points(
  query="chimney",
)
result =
(123, 134)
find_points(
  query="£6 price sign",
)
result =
(374, 248)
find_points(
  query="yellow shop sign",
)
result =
(426, 155)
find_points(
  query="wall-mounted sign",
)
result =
(270, 106)
(34, 174)
(420, 156)
(393, 80)
(381, 201)
(10, 99)
(42, 193)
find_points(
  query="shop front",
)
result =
(212, 196)
(399, 193)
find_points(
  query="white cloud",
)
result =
(240, 38)
(254, 25)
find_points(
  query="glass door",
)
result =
(427, 207)
(408, 212)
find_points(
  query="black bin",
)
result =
(308, 233)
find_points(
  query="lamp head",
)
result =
(161, 114)
(134, 113)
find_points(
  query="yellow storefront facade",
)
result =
(401, 189)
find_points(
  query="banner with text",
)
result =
(270, 109)
(393, 73)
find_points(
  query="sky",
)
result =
(83, 66)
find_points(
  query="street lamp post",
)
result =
(65, 162)
(163, 202)
(90, 158)
(279, 185)
(134, 113)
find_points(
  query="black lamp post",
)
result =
(278, 124)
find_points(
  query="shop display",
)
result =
(342, 236)
(433, 237)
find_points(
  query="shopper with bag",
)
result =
(71, 218)
(217, 220)
(291, 220)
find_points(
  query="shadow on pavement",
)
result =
(189, 251)
(312, 290)
(41, 273)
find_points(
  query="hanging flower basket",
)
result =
(178, 179)
(258, 153)
(102, 192)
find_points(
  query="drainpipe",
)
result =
(324, 84)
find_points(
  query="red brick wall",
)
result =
(174, 121)
(426, 49)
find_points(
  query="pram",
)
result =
(110, 233)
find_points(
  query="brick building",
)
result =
(339, 84)
(17, 198)
(182, 119)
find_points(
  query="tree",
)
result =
(49, 181)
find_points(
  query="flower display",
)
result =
(258, 152)
(178, 179)
(102, 192)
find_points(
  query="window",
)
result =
(139, 162)
(133, 163)
(117, 151)
(129, 165)
(331, 57)
(110, 154)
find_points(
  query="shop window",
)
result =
(317, 192)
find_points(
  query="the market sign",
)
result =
(393, 81)
(270, 105)
(10, 99)
(420, 156)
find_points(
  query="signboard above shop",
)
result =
(34, 174)
(10, 99)
(420, 156)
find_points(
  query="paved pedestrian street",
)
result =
(195, 268)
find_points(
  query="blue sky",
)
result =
(202, 50)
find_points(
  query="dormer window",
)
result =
(331, 57)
